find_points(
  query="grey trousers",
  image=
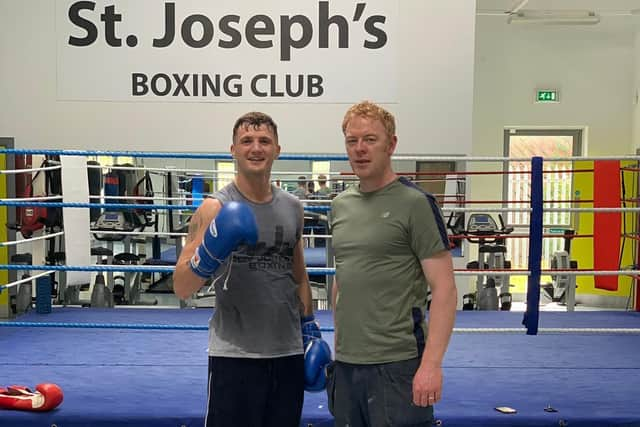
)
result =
(379, 395)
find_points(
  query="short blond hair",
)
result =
(372, 111)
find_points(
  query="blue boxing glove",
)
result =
(310, 329)
(235, 224)
(317, 355)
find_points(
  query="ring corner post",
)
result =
(535, 248)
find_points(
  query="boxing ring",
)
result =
(148, 367)
(142, 366)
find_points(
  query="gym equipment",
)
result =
(562, 288)
(21, 296)
(33, 218)
(483, 230)
(101, 294)
(126, 288)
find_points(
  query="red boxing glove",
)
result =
(18, 397)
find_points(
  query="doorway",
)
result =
(557, 186)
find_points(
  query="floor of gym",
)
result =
(127, 376)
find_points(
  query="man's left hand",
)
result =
(427, 385)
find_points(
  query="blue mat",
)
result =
(158, 377)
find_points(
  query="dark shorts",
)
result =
(378, 395)
(255, 392)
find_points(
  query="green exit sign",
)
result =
(547, 95)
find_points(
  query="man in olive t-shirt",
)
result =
(390, 245)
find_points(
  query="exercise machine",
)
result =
(562, 288)
(483, 230)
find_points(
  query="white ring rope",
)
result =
(32, 199)
(454, 209)
(175, 234)
(26, 279)
(544, 210)
(204, 173)
(32, 239)
(548, 272)
(137, 233)
(491, 273)
(551, 330)
(321, 270)
(28, 170)
(152, 198)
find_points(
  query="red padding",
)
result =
(606, 225)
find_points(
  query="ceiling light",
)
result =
(554, 17)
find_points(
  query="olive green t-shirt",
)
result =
(379, 239)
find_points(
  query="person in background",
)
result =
(311, 193)
(301, 190)
(323, 191)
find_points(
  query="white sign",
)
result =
(227, 50)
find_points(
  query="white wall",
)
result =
(434, 44)
(591, 66)
(636, 88)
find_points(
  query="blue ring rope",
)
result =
(78, 325)
(152, 154)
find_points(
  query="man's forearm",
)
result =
(334, 298)
(306, 299)
(185, 281)
(442, 316)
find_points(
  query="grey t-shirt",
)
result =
(258, 314)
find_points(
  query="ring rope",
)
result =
(187, 327)
(314, 270)
(35, 199)
(113, 206)
(175, 234)
(138, 233)
(32, 239)
(28, 170)
(125, 268)
(5, 202)
(116, 206)
(150, 198)
(227, 156)
(516, 236)
(25, 280)
(205, 173)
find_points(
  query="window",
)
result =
(225, 172)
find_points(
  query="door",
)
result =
(557, 186)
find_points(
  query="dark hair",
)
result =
(255, 119)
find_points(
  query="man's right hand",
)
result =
(234, 225)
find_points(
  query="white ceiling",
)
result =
(602, 7)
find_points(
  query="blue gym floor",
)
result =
(152, 377)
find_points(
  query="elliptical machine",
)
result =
(483, 230)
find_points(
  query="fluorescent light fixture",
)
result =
(554, 17)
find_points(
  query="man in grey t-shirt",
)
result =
(263, 298)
